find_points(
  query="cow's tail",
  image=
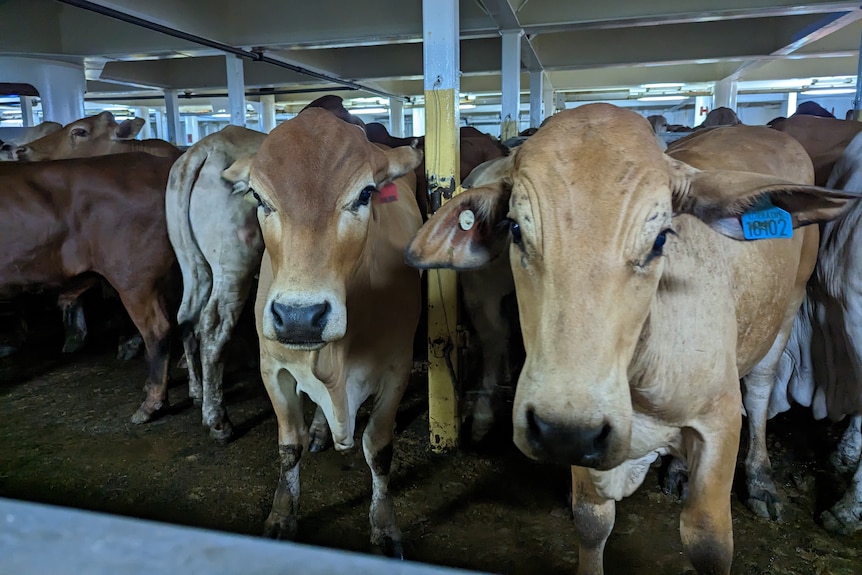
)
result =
(197, 279)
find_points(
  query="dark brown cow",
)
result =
(823, 138)
(64, 220)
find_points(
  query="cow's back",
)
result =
(761, 276)
(66, 217)
(824, 139)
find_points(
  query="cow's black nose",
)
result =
(300, 324)
(583, 446)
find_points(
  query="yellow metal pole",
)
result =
(442, 159)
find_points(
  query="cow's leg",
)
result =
(147, 310)
(292, 441)
(763, 497)
(319, 432)
(845, 517)
(705, 523)
(846, 456)
(217, 322)
(594, 517)
(192, 357)
(377, 446)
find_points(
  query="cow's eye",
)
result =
(515, 230)
(364, 197)
(658, 244)
(79, 133)
(261, 204)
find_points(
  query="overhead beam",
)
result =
(506, 19)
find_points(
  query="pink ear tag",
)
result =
(388, 193)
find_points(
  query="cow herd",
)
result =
(648, 284)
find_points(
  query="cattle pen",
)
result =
(65, 439)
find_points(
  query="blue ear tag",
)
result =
(765, 221)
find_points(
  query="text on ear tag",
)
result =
(467, 218)
(765, 221)
(388, 193)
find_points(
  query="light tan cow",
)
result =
(98, 135)
(639, 315)
(8, 148)
(336, 305)
(216, 237)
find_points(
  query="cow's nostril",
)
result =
(300, 324)
(320, 315)
(566, 443)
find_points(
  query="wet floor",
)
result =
(65, 438)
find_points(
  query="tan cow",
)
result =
(336, 305)
(95, 136)
(216, 237)
(8, 148)
(823, 138)
(639, 315)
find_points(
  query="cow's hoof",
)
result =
(279, 527)
(222, 432)
(765, 504)
(392, 548)
(131, 348)
(141, 416)
(73, 344)
(319, 440)
(841, 520)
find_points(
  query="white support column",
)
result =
(146, 132)
(396, 117)
(235, 89)
(790, 104)
(702, 107)
(441, 52)
(418, 122)
(176, 134)
(60, 85)
(537, 98)
(725, 94)
(27, 111)
(193, 129)
(548, 100)
(268, 113)
(511, 80)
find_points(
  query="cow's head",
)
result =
(315, 179)
(587, 206)
(90, 136)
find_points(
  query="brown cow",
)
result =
(336, 306)
(64, 220)
(8, 148)
(95, 136)
(635, 348)
(823, 138)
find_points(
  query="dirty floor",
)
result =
(65, 438)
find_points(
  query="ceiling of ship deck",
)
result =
(587, 49)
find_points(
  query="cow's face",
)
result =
(587, 205)
(316, 179)
(87, 137)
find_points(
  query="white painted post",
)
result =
(396, 117)
(176, 134)
(725, 94)
(790, 104)
(548, 100)
(146, 132)
(511, 83)
(702, 107)
(235, 89)
(418, 122)
(193, 129)
(27, 111)
(268, 113)
(441, 51)
(60, 85)
(537, 97)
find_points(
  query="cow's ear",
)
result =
(128, 129)
(238, 174)
(466, 233)
(720, 197)
(393, 163)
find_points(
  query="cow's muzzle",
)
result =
(300, 325)
(567, 444)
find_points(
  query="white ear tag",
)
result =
(466, 219)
